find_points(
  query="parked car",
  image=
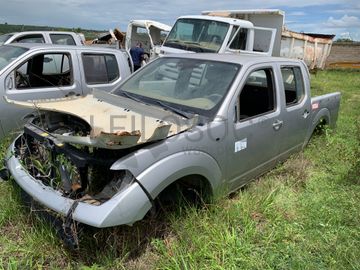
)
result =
(44, 71)
(201, 122)
(51, 37)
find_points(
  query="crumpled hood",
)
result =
(116, 122)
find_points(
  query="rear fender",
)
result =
(322, 114)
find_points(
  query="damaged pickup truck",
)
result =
(194, 123)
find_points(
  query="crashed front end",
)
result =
(64, 162)
(76, 182)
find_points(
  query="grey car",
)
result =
(205, 123)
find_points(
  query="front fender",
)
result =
(165, 171)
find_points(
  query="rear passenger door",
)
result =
(255, 136)
(101, 71)
(296, 106)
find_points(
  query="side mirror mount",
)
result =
(9, 81)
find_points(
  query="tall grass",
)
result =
(304, 214)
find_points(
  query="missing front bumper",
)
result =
(126, 207)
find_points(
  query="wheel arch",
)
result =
(181, 166)
(321, 118)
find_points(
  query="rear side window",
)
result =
(293, 85)
(100, 68)
(35, 38)
(4, 38)
(62, 39)
(258, 94)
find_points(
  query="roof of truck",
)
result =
(243, 23)
(240, 58)
(45, 32)
(36, 46)
(150, 23)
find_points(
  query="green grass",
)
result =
(304, 214)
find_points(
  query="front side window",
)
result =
(100, 68)
(63, 39)
(239, 41)
(192, 85)
(293, 85)
(35, 38)
(45, 70)
(197, 35)
(258, 94)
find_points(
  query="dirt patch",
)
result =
(131, 243)
(259, 219)
(295, 171)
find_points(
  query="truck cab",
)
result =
(151, 34)
(227, 32)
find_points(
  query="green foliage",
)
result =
(304, 214)
(344, 40)
(9, 28)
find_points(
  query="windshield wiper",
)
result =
(126, 94)
(162, 104)
(173, 40)
(192, 42)
(173, 109)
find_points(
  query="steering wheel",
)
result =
(214, 97)
(21, 80)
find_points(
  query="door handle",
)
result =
(306, 114)
(277, 124)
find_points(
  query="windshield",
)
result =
(9, 53)
(4, 38)
(190, 85)
(197, 35)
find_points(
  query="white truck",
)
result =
(220, 34)
(243, 31)
(149, 33)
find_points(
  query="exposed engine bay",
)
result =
(71, 144)
(78, 172)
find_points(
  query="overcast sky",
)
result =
(340, 17)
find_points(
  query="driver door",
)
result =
(45, 75)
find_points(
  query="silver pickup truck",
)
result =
(43, 71)
(51, 37)
(198, 124)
